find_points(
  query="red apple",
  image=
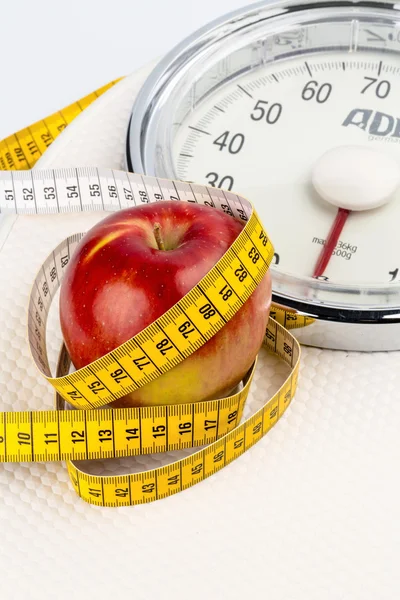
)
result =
(119, 281)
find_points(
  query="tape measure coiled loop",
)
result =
(91, 431)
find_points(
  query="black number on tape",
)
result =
(263, 237)
(118, 375)
(273, 412)
(33, 149)
(185, 427)
(254, 255)
(75, 395)
(232, 416)
(186, 329)
(241, 273)
(158, 430)
(219, 456)
(141, 362)
(94, 190)
(47, 138)
(269, 334)
(96, 387)
(242, 214)
(147, 488)
(72, 191)
(27, 194)
(133, 434)
(257, 428)
(226, 293)
(287, 349)
(207, 311)
(105, 435)
(77, 436)
(163, 346)
(197, 469)
(227, 209)
(23, 438)
(112, 191)
(49, 193)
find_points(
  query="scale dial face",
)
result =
(262, 134)
(255, 103)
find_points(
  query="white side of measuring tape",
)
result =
(242, 266)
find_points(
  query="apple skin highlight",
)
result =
(118, 282)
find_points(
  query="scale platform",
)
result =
(309, 513)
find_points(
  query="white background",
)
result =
(309, 513)
(56, 52)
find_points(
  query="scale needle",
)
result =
(331, 241)
(352, 178)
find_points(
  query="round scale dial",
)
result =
(262, 134)
(295, 106)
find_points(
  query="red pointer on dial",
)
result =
(353, 178)
(331, 242)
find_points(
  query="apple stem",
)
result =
(158, 236)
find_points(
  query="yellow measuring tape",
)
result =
(91, 431)
(23, 149)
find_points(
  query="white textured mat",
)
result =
(310, 512)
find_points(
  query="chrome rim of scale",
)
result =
(295, 106)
